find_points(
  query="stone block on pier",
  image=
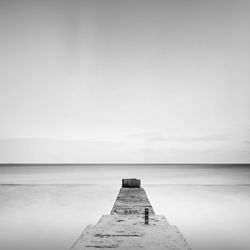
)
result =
(131, 183)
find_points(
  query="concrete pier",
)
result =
(131, 201)
(125, 227)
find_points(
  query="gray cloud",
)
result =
(154, 137)
(97, 71)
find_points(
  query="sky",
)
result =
(132, 81)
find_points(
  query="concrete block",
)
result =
(131, 183)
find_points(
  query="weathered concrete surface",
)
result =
(132, 201)
(129, 232)
(124, 228)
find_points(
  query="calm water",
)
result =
(47, 207)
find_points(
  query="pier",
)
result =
(131, 225)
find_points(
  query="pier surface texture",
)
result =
(125, 227)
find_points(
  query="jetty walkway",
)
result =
(129, 228)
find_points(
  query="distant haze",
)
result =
(125, 81)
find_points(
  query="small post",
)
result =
(146, 216)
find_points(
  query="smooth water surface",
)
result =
(47, 207)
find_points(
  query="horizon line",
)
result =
(79, 163)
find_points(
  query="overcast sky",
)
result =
(125, 81)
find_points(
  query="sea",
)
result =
(47, 206)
